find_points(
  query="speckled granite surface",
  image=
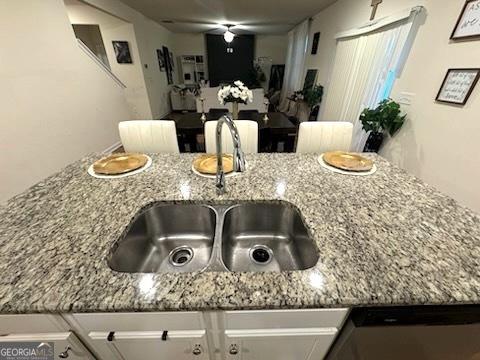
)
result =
(383, 239)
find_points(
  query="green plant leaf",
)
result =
(384, 118)
(313, 96)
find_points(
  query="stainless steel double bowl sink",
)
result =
(187, 237)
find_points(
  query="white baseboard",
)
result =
(112, 148)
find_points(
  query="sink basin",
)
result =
(266, 237)
(185, 237)
(167, 238)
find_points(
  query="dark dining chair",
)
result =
(248, 114)
(217, 113)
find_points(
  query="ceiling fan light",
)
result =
(228, 36)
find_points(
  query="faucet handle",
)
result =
(239, 160)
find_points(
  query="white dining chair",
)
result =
(321, 136)
(247, 129)
(149, 136)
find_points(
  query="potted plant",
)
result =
(384, 118)
(313, 96)
(235, 94)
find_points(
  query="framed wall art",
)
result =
(468, 23)
(316, 40)
(458, 85)
(168, 65)
(310, 79)
(172, 61)
(161, 60)
(122, 52)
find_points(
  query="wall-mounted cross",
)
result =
(374, 5)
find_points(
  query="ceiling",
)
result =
(250, 16)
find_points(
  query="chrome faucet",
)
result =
(238, 156)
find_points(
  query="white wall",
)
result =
(150, 36)
(56, 104)
(113, 28)
(439, 142)
(273, 48)
(190, 44)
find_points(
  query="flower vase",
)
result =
(235, 110)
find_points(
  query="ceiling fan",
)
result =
(228, 30)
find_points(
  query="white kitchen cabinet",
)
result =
(280, 334)
(32, 323)
(178, 345)
(65, 344)
(132, 336)
(278, 344)
(211, 335)
(285, 319)
(43, 328)
(137, 321)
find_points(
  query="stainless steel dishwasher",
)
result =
(410, 333)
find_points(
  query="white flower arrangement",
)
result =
(236, 93)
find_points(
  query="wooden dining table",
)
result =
(278, 128)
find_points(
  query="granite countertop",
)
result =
(385, 239)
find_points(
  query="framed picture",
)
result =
(168, 65)
(161, 60)
(468, 23)
(316, 40)
(310, 79)
(458, 85)
(172, 62)
(122, 52)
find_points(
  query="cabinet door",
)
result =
(65, 343)
(149, 345)
(32, 323)
(278, 344)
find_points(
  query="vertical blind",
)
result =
(295, 61)
(364, 70)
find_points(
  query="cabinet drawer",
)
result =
(31, 323)
(140, 321)
(149, 345)
(279, 344)
(288, 319)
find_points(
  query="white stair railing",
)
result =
(99, 62)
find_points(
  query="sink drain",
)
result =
(180, 256)
(261, 255)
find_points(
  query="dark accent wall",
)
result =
(227, 67)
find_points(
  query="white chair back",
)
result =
(149, 136)
(247, 129)
(321, 136)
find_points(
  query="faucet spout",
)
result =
(238, 155)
